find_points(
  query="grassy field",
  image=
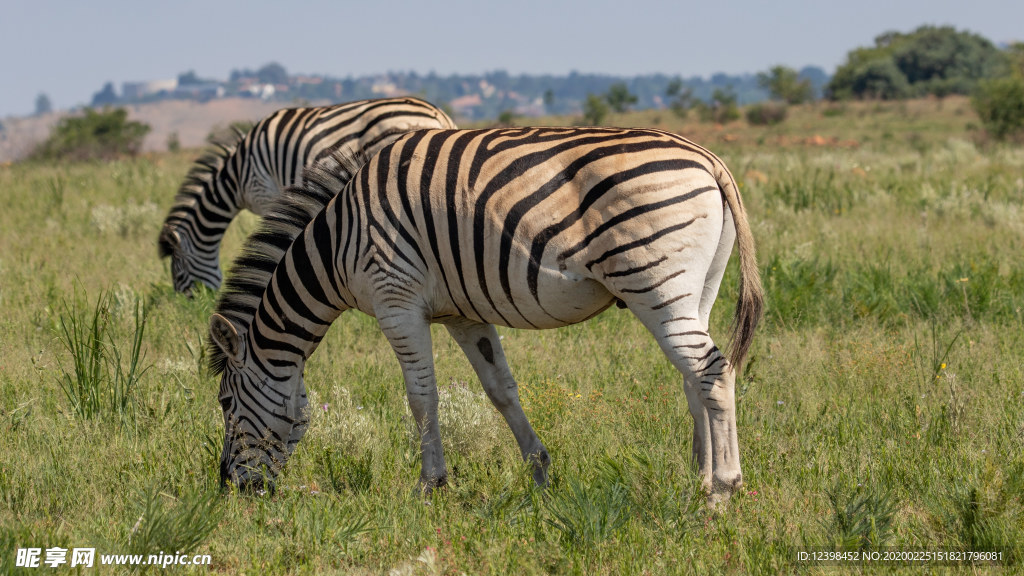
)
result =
(882, 406)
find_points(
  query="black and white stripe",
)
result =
(254, 170)
(528, 228)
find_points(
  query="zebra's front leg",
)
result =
(481, 345)
(409, 335)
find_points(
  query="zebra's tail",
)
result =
(750, 304)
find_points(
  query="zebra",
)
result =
(250, 172)
(521, 227)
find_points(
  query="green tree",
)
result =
(929, 60)
(942, 57)
(619, 97)
(1015, 56)
(106, 96)
(93, 136)
(1000, 105)
(785, 84)
(272, 73)
(675, 86)
(680, 97)
(43, 104)
(880, 79)
(595, 109)
(549, 99)
(190, 78)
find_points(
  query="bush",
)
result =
(766, 113)
(721, 109)
(1000, 105)
(594, 110)
(507, 118)
(94, 136)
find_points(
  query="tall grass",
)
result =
(861, 519)
(587, 514)
(103, 381)
(172, 529)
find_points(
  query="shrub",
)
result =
(594, 110)
(766, 113)
(833, 111)
(721, 109)
(95, 135)
(1000, 105)
(507, 118)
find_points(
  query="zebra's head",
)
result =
(188, 266)
(264, 416)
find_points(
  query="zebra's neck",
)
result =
(287, 326)
(208, 200)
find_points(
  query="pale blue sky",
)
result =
(68, 49)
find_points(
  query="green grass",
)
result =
(882, 405)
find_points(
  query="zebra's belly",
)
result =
(570, 301)
(560, 300)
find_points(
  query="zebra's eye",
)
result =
(225, 403)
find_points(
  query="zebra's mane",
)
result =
(288, 216)
(201, 175)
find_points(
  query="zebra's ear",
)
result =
(170, 241)
(224, 335)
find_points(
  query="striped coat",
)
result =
(529, 228)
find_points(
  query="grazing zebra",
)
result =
(524, 227)
(251, 172)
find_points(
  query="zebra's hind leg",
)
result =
(702, 451)
(709, 382)
(481, 345)
(409, 335)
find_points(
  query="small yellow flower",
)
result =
(942, 366)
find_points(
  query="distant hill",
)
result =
(189, 107)
(473, 97)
